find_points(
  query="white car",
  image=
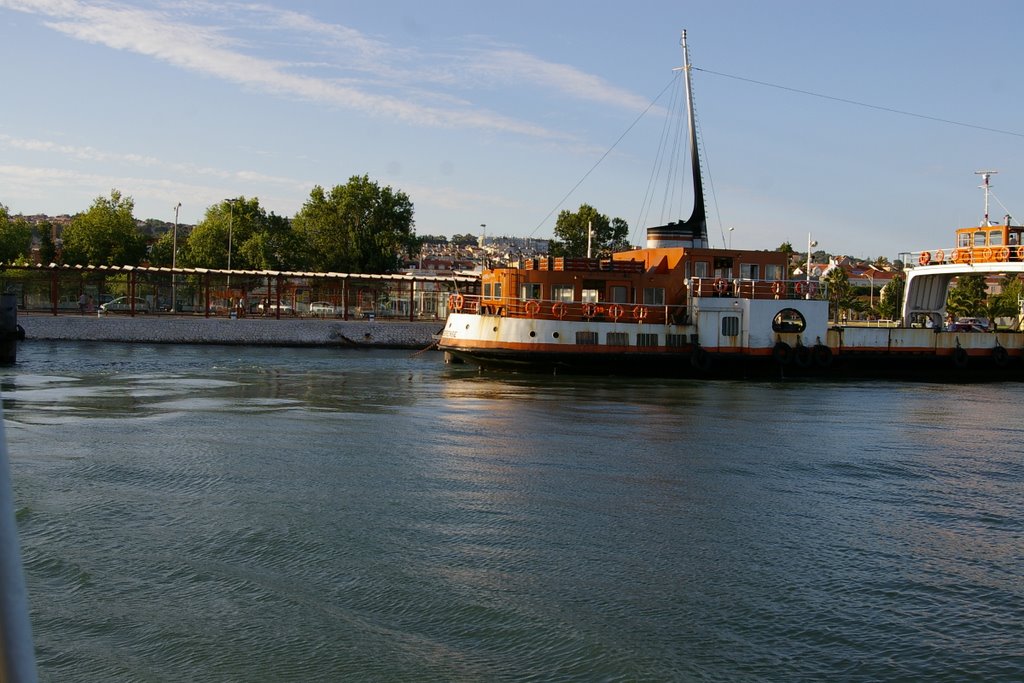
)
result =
(124, 303)
(323, 309)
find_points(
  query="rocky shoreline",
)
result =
(167, 329)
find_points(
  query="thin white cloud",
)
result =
(207, 51)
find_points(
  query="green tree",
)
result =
(787, 249)
(571, 232)
(106, 234)
(1006, 304)
(890, 299)
(841, 294)
(357, 227)
(274, 245)
(216, 240)
(15, 238)
(968, 297)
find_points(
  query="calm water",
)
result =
(235, 514)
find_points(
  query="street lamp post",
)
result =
(174, 262)
(730, 237)
(231, 220)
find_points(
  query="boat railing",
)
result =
(736, 288)
(557, 309)
(1010, 253)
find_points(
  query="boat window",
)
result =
(731, 326)
(700, 269)
(979, 239)
(617, 339)
(529, 290)
(995, 238)
(654, 296)
(497, 290)
(964, 239)
(589, 296)
(1012, 238)
(773, 271)
(645, 339)
(675, 341)
(750, 271)
(620, 294)
(487, 290)
(789, 320)
(586, 337)
(561, 293)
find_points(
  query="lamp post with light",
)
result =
(231, 220)
(174, 261)
(810, 245)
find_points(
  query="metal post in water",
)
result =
(8, 329)
(17, 657)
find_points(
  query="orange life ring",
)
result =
(925, 258)
(778, 287)
(456, 302)
(559, 309)
(984, 254)
(532, 307)
(940, 256)
(639, 312)
(589, 310)
(615, 311)
(721, 285)
(959, 256)
(1003, 254)
(1020, 252)
(800, 287)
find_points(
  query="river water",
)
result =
(202, 513)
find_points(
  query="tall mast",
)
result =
(985, 185)
(692, 232)
(698, 220)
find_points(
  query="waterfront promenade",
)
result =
(168, 329)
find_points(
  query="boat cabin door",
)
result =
(727, 329)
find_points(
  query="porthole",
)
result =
(554, 335)
(789, 320)
(533, 333)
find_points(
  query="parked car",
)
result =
(324, 309)
(124, 304)
(970, 325)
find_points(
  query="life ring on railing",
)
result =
(615, 311)
(589, 310)
(940, 256)
(800, 287)
(456, 302)
(1003, 254)
(639, 312)
(959, 256)
(559, 309)
(778, 287)
(532, 308)
(1020, 252)
(925, 258)
(984, 254)
(721, 285)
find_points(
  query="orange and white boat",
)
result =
(682, 307)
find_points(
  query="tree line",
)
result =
(357, 227)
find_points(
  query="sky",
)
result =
(860, 125)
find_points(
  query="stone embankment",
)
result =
(166, 329)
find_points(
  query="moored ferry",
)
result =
(679, 307)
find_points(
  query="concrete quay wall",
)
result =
(167, 329)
